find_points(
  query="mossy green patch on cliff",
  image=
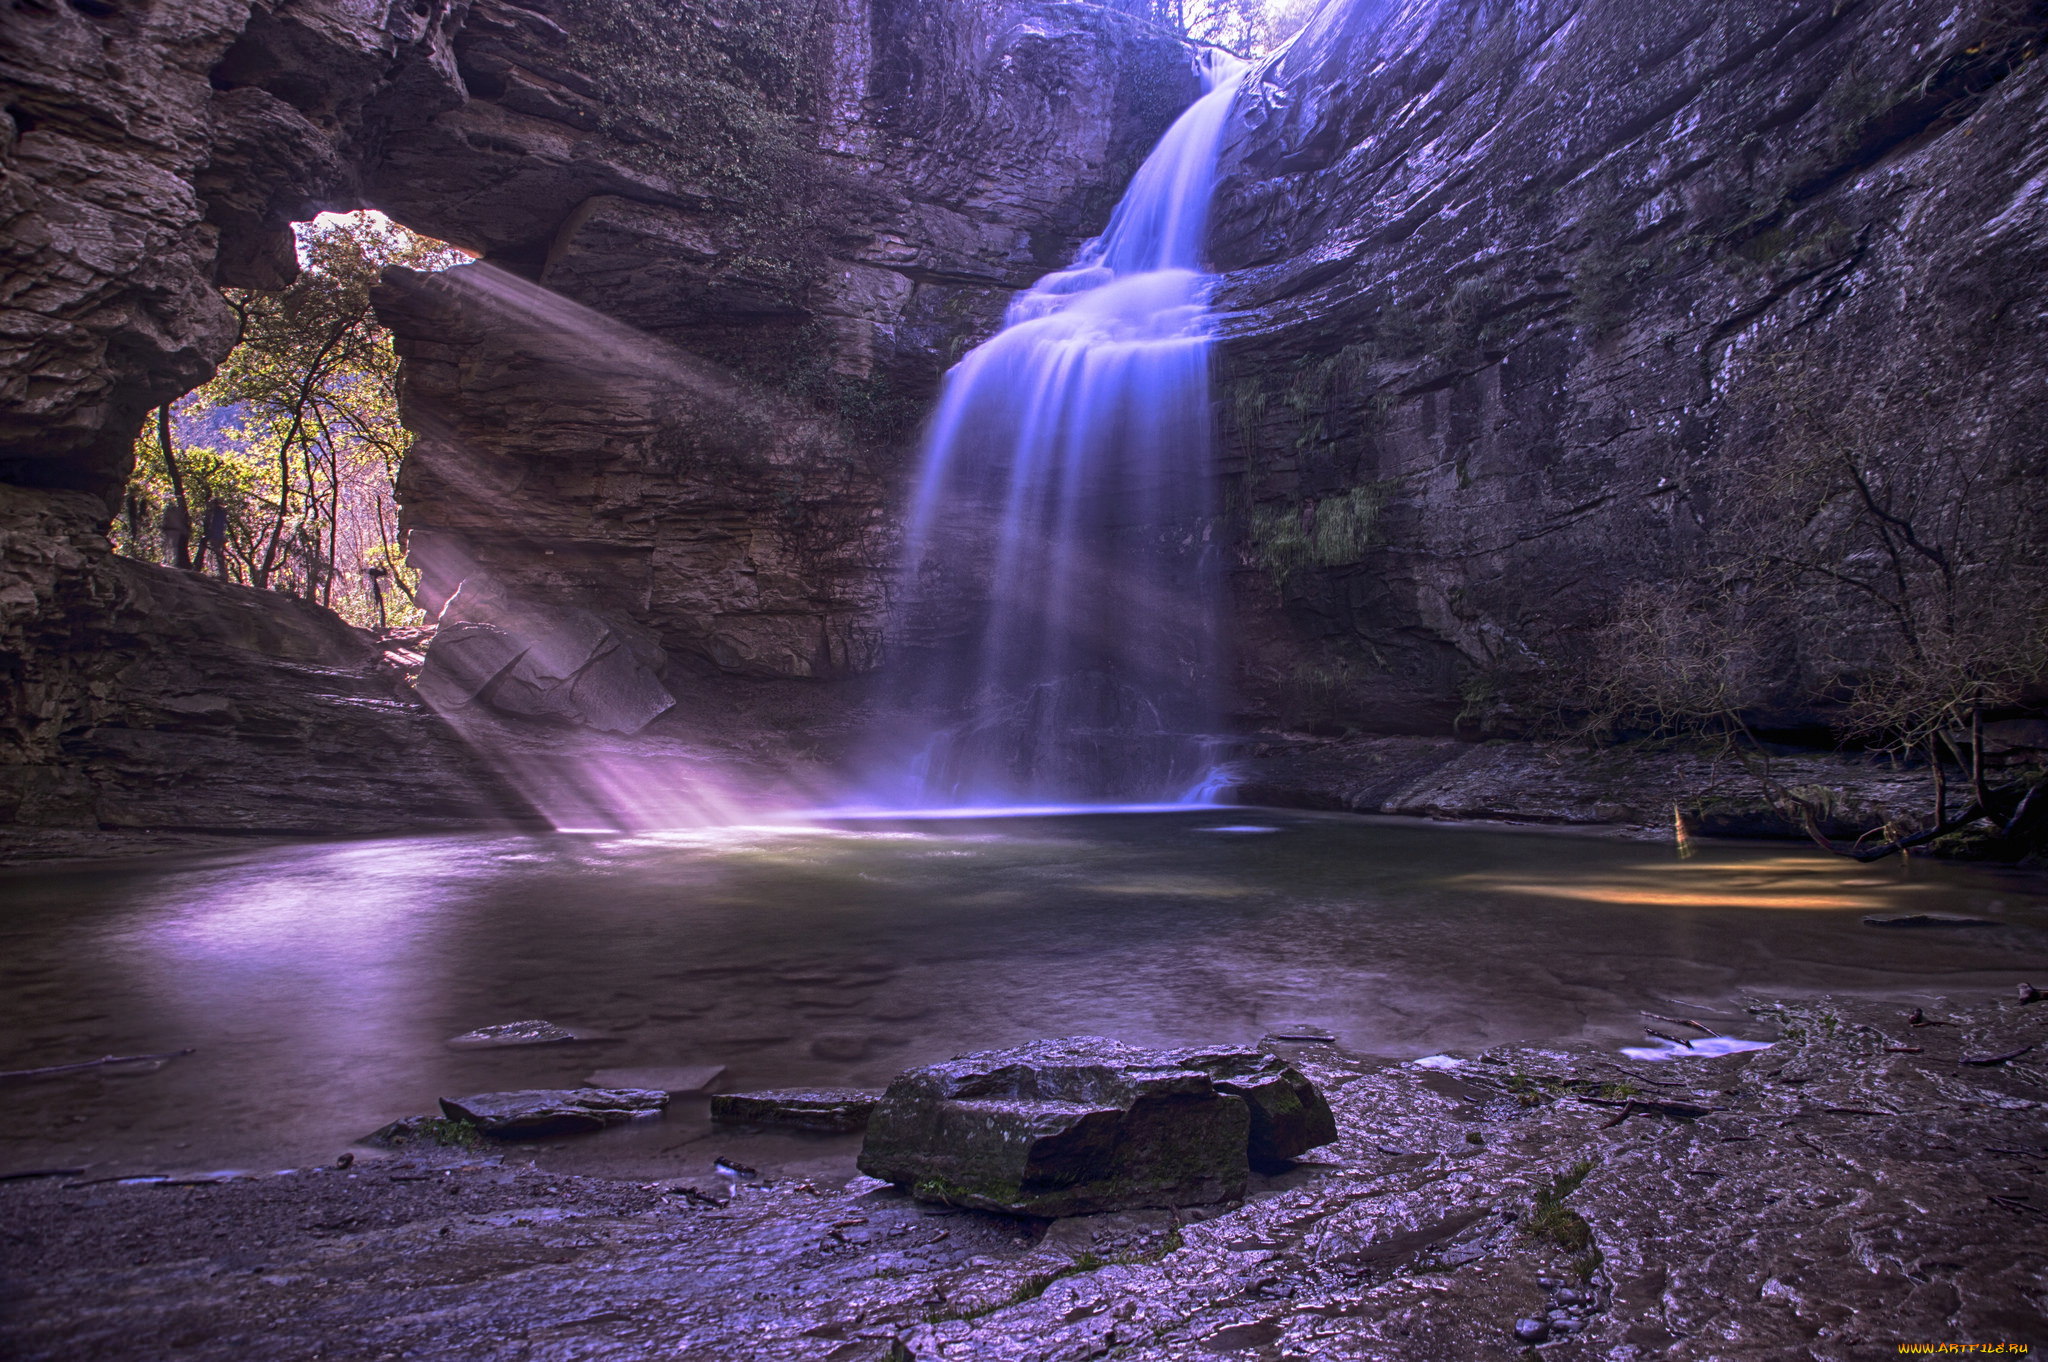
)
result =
(1609, 274)
(1333, 531)
(713, 97)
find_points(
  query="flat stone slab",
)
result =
(834, 1111)
(1085, 1125)
(536, 1113)
(677, 1081)
(534, 1032)
(1926, 920)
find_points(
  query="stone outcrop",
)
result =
(1082, 1125)
(727, 251)
(135, 697)
(1525, 304)
(575, 667)
(691, 399)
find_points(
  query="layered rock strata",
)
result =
(1529, 308)
(787, 220)
(140, 697)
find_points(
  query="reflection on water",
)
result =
(1807, 881)
(319, 983)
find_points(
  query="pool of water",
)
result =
(317, 984)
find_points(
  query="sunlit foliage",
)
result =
(297, 437)
(1248, 28)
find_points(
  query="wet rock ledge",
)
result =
(1877, 1176)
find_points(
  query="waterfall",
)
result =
(1058, 626)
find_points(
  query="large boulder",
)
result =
(1081, 1125)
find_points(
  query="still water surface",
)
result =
(318, 984)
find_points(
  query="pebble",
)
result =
(1531, 1330)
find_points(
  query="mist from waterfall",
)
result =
(1058, 631)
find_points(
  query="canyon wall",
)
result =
(1529, 310)
(1542, 314)
(723, 255)
(700, 418)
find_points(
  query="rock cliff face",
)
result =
(1531, 304)
(151, 152)
(139, 697)
(725, 253)
(691, 380)
(1524, 303)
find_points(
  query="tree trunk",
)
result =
(163, 435)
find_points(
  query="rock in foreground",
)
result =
(1075, 1126)
(540, 1112)
(1288, 1116)
(831, 1111)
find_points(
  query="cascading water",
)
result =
(1059, 623)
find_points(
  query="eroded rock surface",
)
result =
(1288, 1116)
(1637, 792)
(729, 248)
(1849, 1188)
(140, 697)
(1522, 303)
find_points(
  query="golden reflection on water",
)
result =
(1176, 888)
(1801, 883)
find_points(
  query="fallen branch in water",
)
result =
(1685, 1021)
(1985, 1061)
(107, 1061)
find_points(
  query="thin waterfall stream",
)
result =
(1061, 572)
